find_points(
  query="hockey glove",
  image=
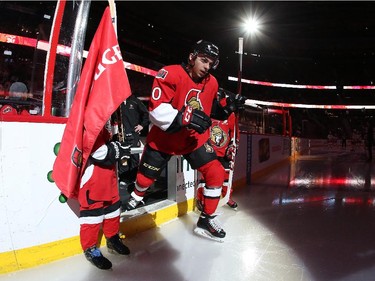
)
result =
(115, 151)
(191, 118)
(119, 150)
(234, 104)
(240, 102)
(230, 152)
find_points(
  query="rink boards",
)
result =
(36, 228)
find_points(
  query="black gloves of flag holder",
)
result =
(121, 150)
(191, 118)
(117, 151)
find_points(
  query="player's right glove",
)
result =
(191, 118)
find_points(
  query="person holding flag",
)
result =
(85, 166)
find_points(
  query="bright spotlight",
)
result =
(251, 25)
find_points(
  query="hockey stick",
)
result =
(239, 90)
(225, 199)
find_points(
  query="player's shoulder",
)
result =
(212, 84)
(173, 67)
(213, 79)
(169, 71)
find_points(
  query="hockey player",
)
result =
(100, 201)
(180, 105)
(224, 138)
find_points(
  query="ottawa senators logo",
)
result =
(217, 136)
(77, 157)
(192, 99)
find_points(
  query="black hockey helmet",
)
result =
(207, 48)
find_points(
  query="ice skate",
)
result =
(232, 204)
(209, 227)
(133, 202)
(115, 245)
(94, 256)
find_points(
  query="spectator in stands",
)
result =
(18, 91)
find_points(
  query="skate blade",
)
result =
(234, 209)
(203, 233)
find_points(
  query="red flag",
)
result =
(103, 86)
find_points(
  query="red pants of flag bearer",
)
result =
(99, 204)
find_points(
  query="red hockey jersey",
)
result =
(100, 181)
(173, 89)
(222, 134)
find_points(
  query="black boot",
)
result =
(94, 256)
(115, 244)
